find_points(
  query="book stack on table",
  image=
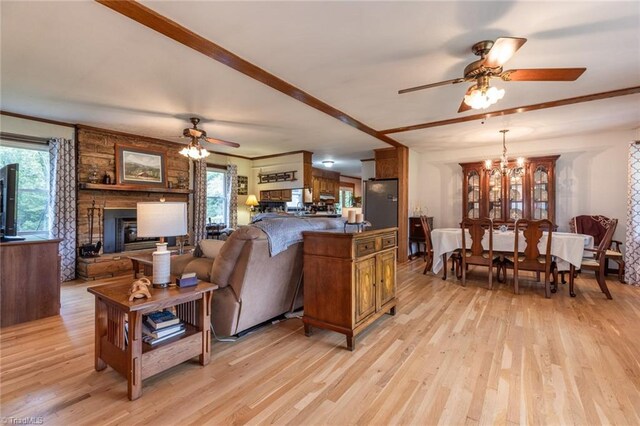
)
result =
(160, 326)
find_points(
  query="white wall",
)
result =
(32, 128)
(591, 176)
(281, 163)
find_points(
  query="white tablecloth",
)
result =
(566, 247)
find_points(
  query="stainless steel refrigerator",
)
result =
(381, 203)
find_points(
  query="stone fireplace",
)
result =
(117, 202)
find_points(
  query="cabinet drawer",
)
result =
(365, 247)
(388, 241)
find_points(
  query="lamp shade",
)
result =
(161, 219)
(252, 201)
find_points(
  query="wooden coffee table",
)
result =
(134, 359)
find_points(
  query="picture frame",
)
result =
(243, 185)
(140, 167)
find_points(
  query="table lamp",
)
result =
(161, 219)
(252, 202)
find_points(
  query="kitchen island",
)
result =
(349, 280)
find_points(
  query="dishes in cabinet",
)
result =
(515, 213)
(514, 194)
(474, 195)
(544, 195)
(473, 213)
(540, 214)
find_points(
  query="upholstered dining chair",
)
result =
(597, 226)
(530, 259)
(598, 262)
(475, 253)
(428, 244)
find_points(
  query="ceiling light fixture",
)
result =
(194, 150)
(482, 96)
(503, 167)
(328, 163)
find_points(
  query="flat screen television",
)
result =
(9, 203)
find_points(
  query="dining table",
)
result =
(566, 247)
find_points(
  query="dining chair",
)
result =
(428, 244)
(598, 262)
(597, 226)
(530, 259)
(476, 254)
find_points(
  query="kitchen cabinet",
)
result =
(349, 280)
(526, 192)
(278, 195)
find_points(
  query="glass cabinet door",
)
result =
(540, 193)
(495, 195)
(516, 195)
(473, 195)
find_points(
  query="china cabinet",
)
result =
(526, 191)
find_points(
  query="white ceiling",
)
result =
(81, 62)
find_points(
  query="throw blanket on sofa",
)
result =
(286, 231)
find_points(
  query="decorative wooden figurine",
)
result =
(139, 289)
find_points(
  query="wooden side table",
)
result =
(131, 357)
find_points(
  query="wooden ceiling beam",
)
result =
(526, 108)
(184, 36)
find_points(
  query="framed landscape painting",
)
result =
(138, 166)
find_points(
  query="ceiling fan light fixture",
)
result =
(484, 97)
(194, 151)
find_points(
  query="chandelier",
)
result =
(504, 161)
(194, 150)
(482, 96)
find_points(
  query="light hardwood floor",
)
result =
(451, 355)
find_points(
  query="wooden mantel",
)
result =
(132, 188)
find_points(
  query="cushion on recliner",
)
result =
(210, 248)
(225, 261)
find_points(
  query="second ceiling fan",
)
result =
(493, 55)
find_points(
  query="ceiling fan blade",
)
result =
(464, 107)
(502, 50)
(428, 86)
(192, 133)
(222, 142)
(543, 74)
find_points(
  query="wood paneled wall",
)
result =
(393, 163)
(97, 147)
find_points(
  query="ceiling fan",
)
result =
(493, 55)
(194, 150)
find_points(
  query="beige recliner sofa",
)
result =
(253, 287)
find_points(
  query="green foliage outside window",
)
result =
(216, 197)
(33, 186)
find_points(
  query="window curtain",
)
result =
(62, 203)
(632, 246)
(232, 195)
(199, 202)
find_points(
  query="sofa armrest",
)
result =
(179, 262)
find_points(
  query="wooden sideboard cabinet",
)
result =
(349, 280)
(29, 280)
(530, 194)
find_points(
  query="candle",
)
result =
(359, 218)
(352, 216)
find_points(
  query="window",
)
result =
(346, 197)
(33, 185)
(296, 200)
(216, 196)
